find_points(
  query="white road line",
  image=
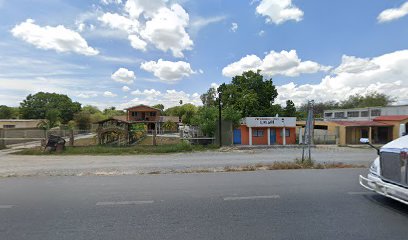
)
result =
(251, 198)
(6, 206)
(123, 203)
(359, 193)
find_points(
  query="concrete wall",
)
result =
(20, 123)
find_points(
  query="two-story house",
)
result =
(148, 115)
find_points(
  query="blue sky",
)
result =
(127, 52)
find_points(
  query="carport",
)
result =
(376, 132)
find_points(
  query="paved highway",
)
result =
(297, 204)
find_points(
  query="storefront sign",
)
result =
(270, 121)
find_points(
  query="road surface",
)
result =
(297, 204)
(16, 165)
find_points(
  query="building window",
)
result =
(375, 112)
(328, 115)
(287, 132)
(353, 114)
(258, 133)
(364, 114)
(339, 115)
(152, 114)
(9, 126)
(134, 114)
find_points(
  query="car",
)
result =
(388, 174)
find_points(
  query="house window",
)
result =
(375, 112)
(258, 133)
(328, 115)
(353, 114)
(152, 114)
(364, 114)
(134, 114)
(339, 115)
(9, 126)
(287, 132)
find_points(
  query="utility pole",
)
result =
(308, 139)
(219, 118)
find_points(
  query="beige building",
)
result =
(19, 123)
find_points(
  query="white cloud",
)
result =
(215, 85)
(153, 22)
(123, 75)
(275, 63)
(386, 74)
(261, 33)
(137, 43)
(109, 94)
(106, 2)
(125, 89)
(279, 11)
(146, 7)
(393, 13)
(166, 30)
(199, 23)
(116, 21)
(87, 95)
(351, 64)
(234, 27)
(169, 98)
(168, 71)
(57, 38)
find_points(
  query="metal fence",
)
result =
(18, 136)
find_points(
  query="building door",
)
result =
(237, 136)
(273, 135)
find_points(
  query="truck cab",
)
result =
(388, 174)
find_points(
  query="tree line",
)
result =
(247, 95)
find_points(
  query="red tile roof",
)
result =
(391, 118)
(362, 124)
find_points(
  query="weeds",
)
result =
(123, 150)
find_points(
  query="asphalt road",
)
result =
(297, 204)
(18, 165)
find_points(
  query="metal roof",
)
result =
(391, 118)
(362, 124)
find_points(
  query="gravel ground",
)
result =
(18, 165)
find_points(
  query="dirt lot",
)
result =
(16, 165)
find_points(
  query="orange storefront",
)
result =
(266, 131)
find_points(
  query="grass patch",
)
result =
(128, 150)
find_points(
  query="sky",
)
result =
(128, 52)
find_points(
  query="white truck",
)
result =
(388, 174)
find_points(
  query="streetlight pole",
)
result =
(219, 118)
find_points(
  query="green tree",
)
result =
(170, 126)
(210, 97)
(91, 109)
(250, 94)
(372, 99)
(207, 116)
(290, 109)
(112, 112)
(53, 117)
(83, 120)
(38, 105)
(6, 112)
(185, 112)
(159, 106)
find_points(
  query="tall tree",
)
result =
(185, 112)
(6, 112)
(250, 94)
(210, 97)
(290, 109)
(159, 106)
(372, 99)
(36, 106)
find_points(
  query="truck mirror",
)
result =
(364, 140)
